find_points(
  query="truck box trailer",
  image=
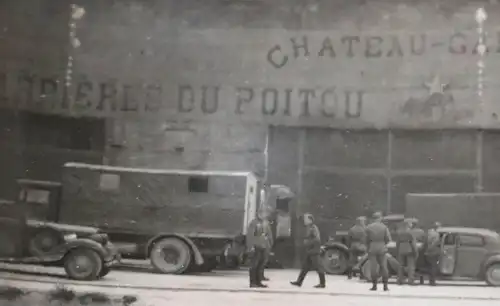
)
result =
(181, 220)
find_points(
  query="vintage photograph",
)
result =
(251, 152)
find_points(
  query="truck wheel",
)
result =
(104, 271)
(170, 256)
(335, 261)
(83, 264)
(492, 275)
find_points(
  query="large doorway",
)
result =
(340, 174)
(35, 146)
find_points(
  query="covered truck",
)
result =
(481, 210)
(180, 219)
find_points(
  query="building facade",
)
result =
(352, 104)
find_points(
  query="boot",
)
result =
(386, 286)
(258, 286)
(296, 284)
(374, 286)
(322, 281)
(349, 274)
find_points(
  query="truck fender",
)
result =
(488, 261)
(86, 243)
(335, 245)
(198, 258)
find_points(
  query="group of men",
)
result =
(374, 238)
(259, 244)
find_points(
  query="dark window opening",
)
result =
(283, 205)
(471, 240)
(86, 134)
(198, 184)
(450, 239)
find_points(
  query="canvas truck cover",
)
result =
(151, 201)
(456, 209)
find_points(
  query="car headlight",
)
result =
(69, 237)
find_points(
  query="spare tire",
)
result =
(44, 242)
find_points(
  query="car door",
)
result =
(447, 260)
(12, 225)
(470, 254)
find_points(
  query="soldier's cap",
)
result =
(361, 218)
(437, 224)
(377, 215)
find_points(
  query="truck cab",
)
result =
(30, 234)
(40, 199)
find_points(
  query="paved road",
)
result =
(231, 287)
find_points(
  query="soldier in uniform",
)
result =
(269, 234)
(258, 244)
(417, 231)
(356, 239)
(377, 238)
(312, 249)
(432, 252)
(406, 248)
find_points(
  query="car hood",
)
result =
(66, 228)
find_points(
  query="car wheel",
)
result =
(335, 261)
(170, 256)
(83, 264)
(492, 275)
(104, 271)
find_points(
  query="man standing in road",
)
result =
(406, 248)
(432, 252)
(267, 254)
(312, 250)
(356, 239)
(377, 238)
(258, 244)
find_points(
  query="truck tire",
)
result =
(104, 271)
(492, 275)
(83, 264)
(335, 261)
(170, 256)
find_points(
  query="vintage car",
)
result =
(335, 250)
(84, 252)
(471, 253)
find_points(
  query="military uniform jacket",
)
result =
(259, 235)
(432, 243)
(357, 238)
(312, 240)
(419, 234)
(377, 237)
(406, 243)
